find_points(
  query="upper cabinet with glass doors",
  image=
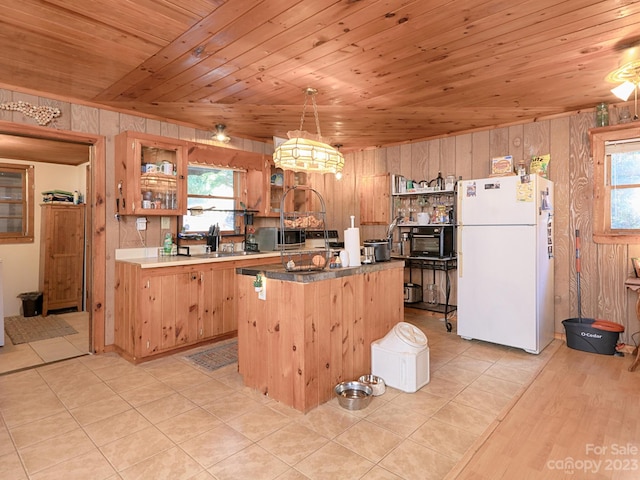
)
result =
(150, 175)
(266, 189)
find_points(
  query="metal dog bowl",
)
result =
(353, 395)
(376, 383)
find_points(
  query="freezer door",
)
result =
(499, 201)
(497, 285)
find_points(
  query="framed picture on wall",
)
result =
(636, 266)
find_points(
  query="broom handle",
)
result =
(578, 275)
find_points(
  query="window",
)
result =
(211, 198)
(16, 203)
(617, 185)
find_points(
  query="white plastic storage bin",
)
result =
(401, 358)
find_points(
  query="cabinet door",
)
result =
(218, 302)
(375, 203)
(150, 175)
(169, 311)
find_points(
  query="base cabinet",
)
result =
(159, 310)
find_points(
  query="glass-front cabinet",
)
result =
(150, 175)
(267, 188)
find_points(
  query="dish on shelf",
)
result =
(277, 179)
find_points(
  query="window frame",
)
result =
(28, 186)
(601, 199)
(237, 195)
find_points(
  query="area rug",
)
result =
(216, 357)
(31, 329)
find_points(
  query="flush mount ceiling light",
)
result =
(628, 76)
(304, 152)
(220, 135)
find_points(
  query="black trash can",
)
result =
(31, 303)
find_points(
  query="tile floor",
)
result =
(100, 417)
(15, 357)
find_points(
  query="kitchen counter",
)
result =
(278, 272)
(181, 260)
(304, 333)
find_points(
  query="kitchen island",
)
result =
(313, 330)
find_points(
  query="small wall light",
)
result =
(220, 135)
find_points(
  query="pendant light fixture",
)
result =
(629, 78)
(304, 154)
(220, 135)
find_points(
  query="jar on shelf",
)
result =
(602, 115)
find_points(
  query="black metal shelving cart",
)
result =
(434, 264)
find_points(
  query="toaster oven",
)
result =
(433, 241)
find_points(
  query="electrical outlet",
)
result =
(141, 223)
(165, 223)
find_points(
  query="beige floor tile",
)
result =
(119, 370)
(231, 406)
(32, 409)
(253, 462)
(379, 473)
(445, 388)
(6, 442)
(17, 357)
(493, 403)
(54, 349)
(17, 397)
(497, 385)
(148, 392)
(172, 464)
(43, 429)
(420, 402)
(334, 461)
(259, 423)
(55, 450)
(446, 439)
(512, 374)
(188, 425)
(70, 376)
(486, 351)
(328, 421)
(94, 412)
(474, 420)
(397, 420)
(94, 362)
(293, 443)
(135, 448)
(12, 468)
(208, 448)
(204, 475)
(412, 461)
(472, 364)
(462, 375)
(117, 426)
(90, 466)
(136, 379)
(206, 392)
(188, 379)
(369, 440)
(292, 474)
(167, 367)
(84, 394)
(165, 408)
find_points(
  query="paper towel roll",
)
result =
(352, 245)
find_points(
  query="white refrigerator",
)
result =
(505, 261)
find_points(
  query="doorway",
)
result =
(87, 152)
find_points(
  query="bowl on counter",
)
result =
(376, 383)
(353, 395)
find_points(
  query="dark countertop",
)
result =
(278, 272)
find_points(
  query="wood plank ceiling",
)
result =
(387, 71)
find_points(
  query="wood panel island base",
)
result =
(314, 330)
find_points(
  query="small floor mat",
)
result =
(216, 357)
(31, 329)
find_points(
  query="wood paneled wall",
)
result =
(604, 267)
